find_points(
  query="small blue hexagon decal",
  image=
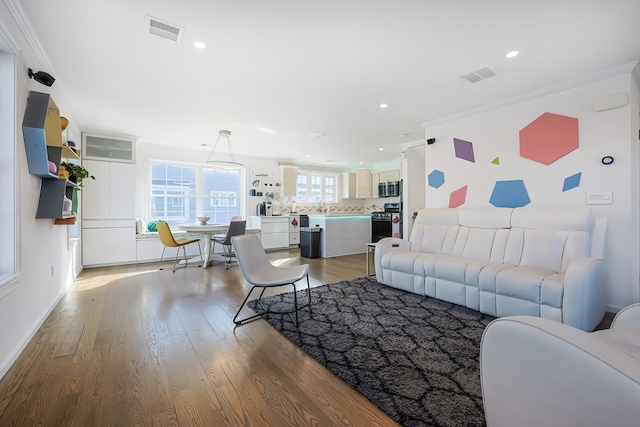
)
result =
(436, 178)
(571, 181)
(509, 194)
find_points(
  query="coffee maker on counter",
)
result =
(264, 209)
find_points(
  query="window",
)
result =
(314, 187)
(8, 196)
(173, 193)
(180, 193)
(221, 195)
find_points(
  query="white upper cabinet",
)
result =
(363, 184)
(112, 194)
(109, 148)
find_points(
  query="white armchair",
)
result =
(538, 372)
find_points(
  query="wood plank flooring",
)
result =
(136, 346)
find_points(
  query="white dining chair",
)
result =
(258, 270)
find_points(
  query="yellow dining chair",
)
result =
(167, 239)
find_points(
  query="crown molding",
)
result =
(29, 34)
(612, 72)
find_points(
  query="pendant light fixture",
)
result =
(220, 158)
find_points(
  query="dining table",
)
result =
(208, 231)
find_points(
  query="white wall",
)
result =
(495, 133)
(42, 244)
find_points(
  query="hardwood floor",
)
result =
(133, 345)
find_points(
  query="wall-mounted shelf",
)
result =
(43, 142)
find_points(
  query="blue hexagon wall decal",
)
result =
(509, 194)
(571, 181)
(436, 178)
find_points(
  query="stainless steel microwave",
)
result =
(389, 189)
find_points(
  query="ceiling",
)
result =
(276, 72)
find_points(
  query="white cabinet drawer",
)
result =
(104, 253)
(109, 235)
(274, 227)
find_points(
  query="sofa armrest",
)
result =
(628, 318)
(386, 245)
(584, 302)
(537, 372)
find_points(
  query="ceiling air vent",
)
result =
(319, 135)
(480, 74)
(165, 30)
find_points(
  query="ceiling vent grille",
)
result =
(480, 74)
(165, 30)
(319, 135)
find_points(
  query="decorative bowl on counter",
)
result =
(203, 219)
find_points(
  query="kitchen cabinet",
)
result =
(109, 148)
(112, 194)
(294, 230)
(363, 184)
(43, 139)
(108, 242)
(289, 181)
(356, 185)
(274, 231)
(392, 175)
(349, 185)
(108, 206)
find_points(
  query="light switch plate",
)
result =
(600, 198)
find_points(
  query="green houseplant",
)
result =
(77, 173)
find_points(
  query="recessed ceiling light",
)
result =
(308, 155)
(512, 54)
(361, 163)
(383, 105)
(381, 149)
(199, 45)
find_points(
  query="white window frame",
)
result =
(323, 194)
(10, 239)
(201, 199)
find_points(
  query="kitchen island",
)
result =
(342, 234)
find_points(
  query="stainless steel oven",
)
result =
(387, 223)
(381, 225)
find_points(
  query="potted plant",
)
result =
(77, 173)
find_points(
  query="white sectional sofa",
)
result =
(543, 262)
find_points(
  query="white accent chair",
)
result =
(258, 270)
(538, 372)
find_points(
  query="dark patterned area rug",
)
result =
(414, 357)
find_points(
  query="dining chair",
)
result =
(168, 240)
(236, 228)
(258, 270)
(222, 235)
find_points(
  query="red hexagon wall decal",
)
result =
(548, 138)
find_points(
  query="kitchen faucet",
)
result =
(322, 207)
